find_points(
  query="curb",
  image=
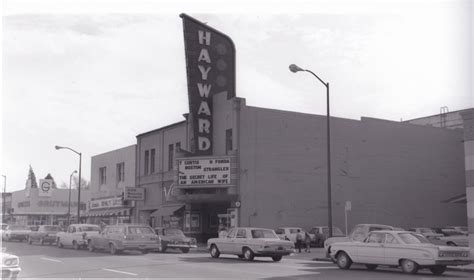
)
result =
(463, 269)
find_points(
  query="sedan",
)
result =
(248, 243)
(44, 234)
(175, 239)
(10, 266)
(15, 232)
(409, 250)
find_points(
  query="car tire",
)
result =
(185, 250)
(409, 266)
(248, 254)
(75, 245)
(277, 258)
(371, 266)
(113, 250)
(343, 260)
(30, 241)
(214, 251)
(59, 244)
(438, 270)
(90, 247)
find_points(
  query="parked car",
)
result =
(453, 238)
(15, 232)
(248, 243)
(411, 251)
(44, 234)
(77, 235)
(426, 232)
(174, 239)
(358, 233)
(10, 265)
(288, 233)
(461, 229)
(118, 238)
(319, 234)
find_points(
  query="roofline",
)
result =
(457, 111)
(161, 128)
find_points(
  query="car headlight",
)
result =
(11, 262)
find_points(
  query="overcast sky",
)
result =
(92, 75)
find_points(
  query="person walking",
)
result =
(299, 240)
(307, 242)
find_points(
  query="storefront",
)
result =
(108, 211)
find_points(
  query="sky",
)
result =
(91, 75)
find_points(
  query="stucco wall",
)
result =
(386, 169)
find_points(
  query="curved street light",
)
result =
(79, 184)
(294, 68)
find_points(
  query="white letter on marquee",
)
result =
(204, 126)
(204, 72)
(203, 143)
(204, 55)
(204, 109)
(204, 90)
(202, 38)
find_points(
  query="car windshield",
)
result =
(140, 230)
(411, 238)
(263, 233)
(90, 228)
(175, 232)
(335, 231)
(18, 228)
(52, 228)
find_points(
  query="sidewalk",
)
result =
(318, 254)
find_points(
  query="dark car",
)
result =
(44, 234)
(174, 239)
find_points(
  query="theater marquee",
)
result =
(210, 68)
(195, 172)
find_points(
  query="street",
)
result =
(38, 261)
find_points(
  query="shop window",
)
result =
(192, 222)
(102, 176)
(120, 172)
(170, 156)
(152, 161)
(228, 140)
(147, 161)
(178, 147)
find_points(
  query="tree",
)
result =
(84, 183)
(63, 186)
(31, 181)
(49, 177)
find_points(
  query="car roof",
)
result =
(252, 228)
(291, 227)
(391, 231)
(87, 225)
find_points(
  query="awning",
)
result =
(108, 212)
(167, 210)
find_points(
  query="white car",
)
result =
(249, 243)
(426, 232)
(288, 233)
(77, 235)
(411, 251)
(10, 266)
(15, 232)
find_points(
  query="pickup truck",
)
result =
(44, 234)
(77, 235)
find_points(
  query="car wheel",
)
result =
(75, 245)
(450, 243)
(276, 258)
(438, 270)
(371, 266)
(185, 250)
(30, 241)
(90, 247)
(409, 266)
(59, 244)
(41, 241)
(248, 254)
(343, 260)
(113, 249)
(214, 252)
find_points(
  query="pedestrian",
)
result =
(299, 240)
(307, 241)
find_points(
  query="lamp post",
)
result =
(3, 197)
(69, 203)
(79, 185)
(294, 68)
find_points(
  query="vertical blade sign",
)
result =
(210, 68)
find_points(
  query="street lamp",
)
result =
(79, 185)
(294, 68)
(3, 197)
(69, 203)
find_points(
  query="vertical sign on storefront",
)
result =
(210, 68)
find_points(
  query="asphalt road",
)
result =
(51, 262)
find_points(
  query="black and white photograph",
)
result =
(155, 139)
